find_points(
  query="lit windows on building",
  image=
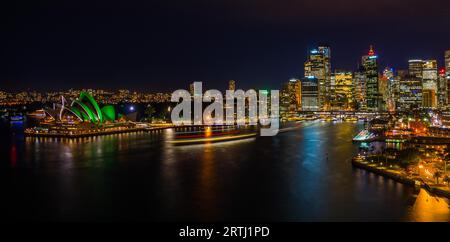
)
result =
(342, 97)
(410, 92)
(415, 67)
(290, 99)
(430, 82)
(318, 65)
(428, 98)
(447, 63)
(442, 89)
(369, 63)
(359, 83)
(310, 94)
(232, 85)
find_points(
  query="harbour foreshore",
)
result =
(400, 177)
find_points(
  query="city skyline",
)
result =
(440, 65)
(105, 44)
(321, 88)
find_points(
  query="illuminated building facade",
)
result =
(369, 63)
(392, 88)
(442, 89)
(447, 72)
(290, 99)
(428, 98)
(318, 65)
(342, 87)
(191, 89)
(232, 85)
(310, 94)
(429, 83)
(384, 83)
(415, 67)
(410, 92)
(359, 83)
(447, 63)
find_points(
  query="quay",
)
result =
(399, 177)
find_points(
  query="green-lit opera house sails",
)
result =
(85, 108)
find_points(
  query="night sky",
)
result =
(164, 45)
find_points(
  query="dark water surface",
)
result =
(301, 175)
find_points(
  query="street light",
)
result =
(420, 168)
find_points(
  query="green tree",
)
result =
(447, 180)
(437, 175)
(409, 156)
(149, 111)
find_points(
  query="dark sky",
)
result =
(163, 45)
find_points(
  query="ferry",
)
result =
(351, 119)
(38, 114)
(212, 134)
(365, 136)
(16, 118)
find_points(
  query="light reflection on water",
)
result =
(301, 175)
(429, 208)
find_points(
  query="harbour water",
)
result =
(301, 175)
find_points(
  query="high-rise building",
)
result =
(342, 97)
(298, 94)
(395, 91)
(429, 83)
(191, 89)
(447, 63)
(442, 89)
(310, 94)
(359, 83)
(290, 99)
(369, 63)
(232, 85)
(384, 82)
(447, 72)
(410, 91)
(318, 65)
(428, 98)
(415, 67)
(388, 88)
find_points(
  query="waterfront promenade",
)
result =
(401, 176)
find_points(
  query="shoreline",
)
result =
(400, 178)
(92, 134)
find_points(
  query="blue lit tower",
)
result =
(318, 65)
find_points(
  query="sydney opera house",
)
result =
(82, 109)
(81, 117)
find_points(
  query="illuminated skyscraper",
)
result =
(369, 63)
(318, 65)
(310, 94)
(298, 93)
(389, 83)
(383, 84)
(232, 85)
(442, 89)
(415, 67)
(447, 63)
(428, 98)
(410, 95)
(395, 91)
(447, 72)
(342, 91)
(191, 89)
(290, 99)
(429, 83)
(359, 83)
